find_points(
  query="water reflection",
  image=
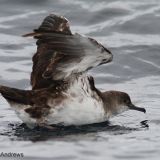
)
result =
(22, 132)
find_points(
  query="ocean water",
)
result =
(131, 30)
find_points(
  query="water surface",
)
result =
(131, 30)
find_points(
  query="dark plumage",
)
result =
(61, 92)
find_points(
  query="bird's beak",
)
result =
(133, 107)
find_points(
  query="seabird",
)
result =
(62, 93)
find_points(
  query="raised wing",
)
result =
(61, 54)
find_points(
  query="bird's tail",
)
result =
(16, 95)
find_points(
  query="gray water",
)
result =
(131, 30)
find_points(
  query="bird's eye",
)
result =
(126, 101)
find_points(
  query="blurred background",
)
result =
(131, 30)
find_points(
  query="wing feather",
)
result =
(61, 54)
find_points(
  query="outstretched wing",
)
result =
(61, 53)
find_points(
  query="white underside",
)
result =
(77, 112)
(25, 117)
(78, 109)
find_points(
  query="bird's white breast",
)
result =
(81, 107)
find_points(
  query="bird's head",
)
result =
(118, 102)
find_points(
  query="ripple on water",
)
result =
(130, 30)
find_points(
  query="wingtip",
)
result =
(31, 34)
